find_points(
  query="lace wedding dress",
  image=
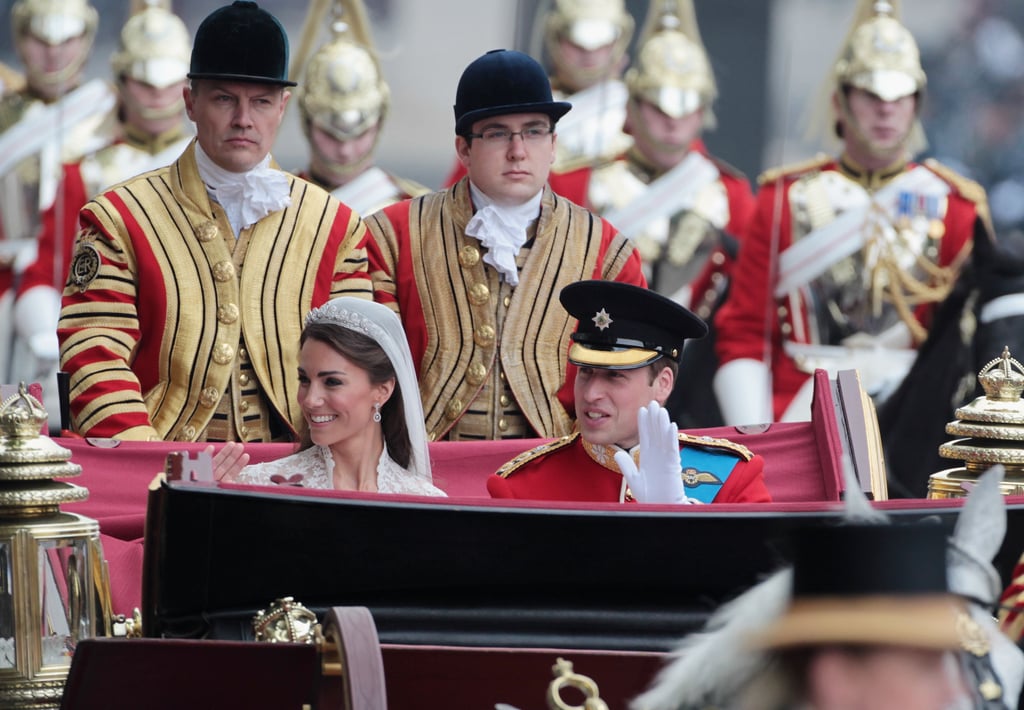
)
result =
(314, 468)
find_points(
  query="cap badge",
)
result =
(602, 320)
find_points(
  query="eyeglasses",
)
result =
(500, 136)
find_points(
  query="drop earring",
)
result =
(376, 412)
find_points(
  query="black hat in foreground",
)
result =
(502, 82)
(868, 585)
(241, 42)
(623, 327)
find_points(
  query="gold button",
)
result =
(244, 354)
(469, 256)
(244, 431)
(209, 397)
(502, 424)
(476, 374)
(454, 409)
(479, 294)
(432, 436)
(718, 258)
(786, 328)
(502, 375)
(227, 313)
(508, 300)
(188, 433)
(717, 277)
(223, 354)
(244, 405)
(783, 312)
(484, 335)
(223, 271)
(243, 380)
(505, 400)
(207, 231)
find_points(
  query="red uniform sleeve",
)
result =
(745, 484)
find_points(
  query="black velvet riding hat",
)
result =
(623, 327)
(241, 42)
(502, 82)
(868, 585)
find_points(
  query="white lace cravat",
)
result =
(502, 230)
(246, 197)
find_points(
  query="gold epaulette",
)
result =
(515, 464)
(710, 442)
(968, 188)
(578, 162)
(410, 187)
(805, 166)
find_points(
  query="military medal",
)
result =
(904, 208)
(936, 227)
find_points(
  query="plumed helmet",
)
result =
(343, 90)
(241, 42)
(53, 21)
(154, 48)
(503, 81)
(671, 69)
(881, 56)
(589, 24)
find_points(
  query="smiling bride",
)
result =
(360, 401)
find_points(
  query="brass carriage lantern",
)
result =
(991, 430)
(51, 564)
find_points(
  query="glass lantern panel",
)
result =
(7, 628)
(64, 588)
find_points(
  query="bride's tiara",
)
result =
(330, 312)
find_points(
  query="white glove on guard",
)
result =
(660, 478)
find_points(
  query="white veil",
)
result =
(382, 325)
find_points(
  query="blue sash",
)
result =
(705, 471)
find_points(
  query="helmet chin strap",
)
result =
(61, 79)
(158, 113)
(339, 174)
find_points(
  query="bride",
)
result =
(360, 401)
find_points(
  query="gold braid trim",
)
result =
(510, 467)
(805, 166)
(713, 443)
(967, 188)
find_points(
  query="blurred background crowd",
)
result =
(770, 58)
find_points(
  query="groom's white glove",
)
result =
(660, 477)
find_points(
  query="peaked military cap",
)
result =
(623, 327)
(502, 82)
(241, 42)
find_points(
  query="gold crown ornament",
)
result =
(991, 431)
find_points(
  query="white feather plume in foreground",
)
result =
(693, 679)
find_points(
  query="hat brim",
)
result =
(241, 78)
(925, 622)
(554, 109)
(612, 358)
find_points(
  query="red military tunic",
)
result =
(754, 313)
(571, 469)
(605, 187)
